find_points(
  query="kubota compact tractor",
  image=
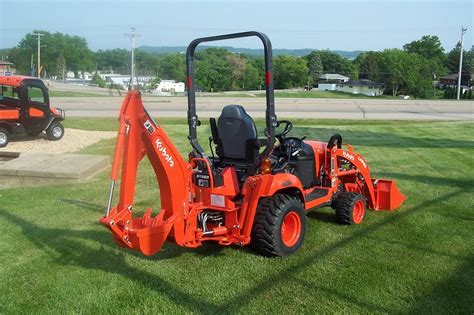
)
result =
(256, 191)
(25, 108)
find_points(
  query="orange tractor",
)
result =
(256, 191)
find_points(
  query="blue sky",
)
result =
(336, 24)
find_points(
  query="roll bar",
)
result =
(270, 117)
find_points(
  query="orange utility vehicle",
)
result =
(256, 191)
(25, 108)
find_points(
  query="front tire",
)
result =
(4, 137)
(279, 226)
(55, 131)
(350, 208)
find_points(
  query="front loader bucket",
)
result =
(146, 235)
(387, 195)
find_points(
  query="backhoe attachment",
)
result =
(140, 136)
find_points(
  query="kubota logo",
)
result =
(361, 160)
(162, 149)
(348, 155)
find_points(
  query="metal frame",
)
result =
(270, 117)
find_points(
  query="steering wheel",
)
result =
(288, 126)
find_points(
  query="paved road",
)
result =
(285, 107)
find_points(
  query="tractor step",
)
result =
(316, 193)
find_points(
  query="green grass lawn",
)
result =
(56, 258)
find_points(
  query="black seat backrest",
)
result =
(237, 134)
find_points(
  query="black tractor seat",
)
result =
(235, 136)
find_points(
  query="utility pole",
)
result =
(132, 37)
(463, 30)
(39, 52)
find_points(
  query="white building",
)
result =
(330, 81)
(87, 76)
(169, 86)
(6, 68)
(124, 80)
(366, 87)
(334, 77)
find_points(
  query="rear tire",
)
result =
(55, 131)
(350, 208)
(279, 226)
(4, 137)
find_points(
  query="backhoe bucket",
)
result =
(146, 235)
(387, 195)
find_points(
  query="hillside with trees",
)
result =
(410, 70)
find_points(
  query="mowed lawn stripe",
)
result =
(56, 258)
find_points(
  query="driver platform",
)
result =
(40, 169)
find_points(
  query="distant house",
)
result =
(366, 87)
(6, 68)
(169, 86)
(330, 81)
(452, 80)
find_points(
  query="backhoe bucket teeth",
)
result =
(144, 234)
(387, 195)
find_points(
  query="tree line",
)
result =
(410, 70)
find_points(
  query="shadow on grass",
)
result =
(238, 302)
(455, 293)
(322, 216)
(72, 251)
(465, 184)
(85, 205)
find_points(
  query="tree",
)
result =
(405, 72)
(62, 67)
(69, 50)
(213, 72)
(237, 64)
(251, 80)
(369, 65)
(315, 65)
(289, 71)
(334, 63)
(173, 67)
(96, 79)
(430, 48)
(145, 63)
(116, 60)
(467, 64)
(391, 64)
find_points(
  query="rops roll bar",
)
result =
(270, 117)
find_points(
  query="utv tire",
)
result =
(350, 208)
(4, 137)
(279, 226)
(55, 131)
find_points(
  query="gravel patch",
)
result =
(73, 140)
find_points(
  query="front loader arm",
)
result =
(139, 136)
(381, 194)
